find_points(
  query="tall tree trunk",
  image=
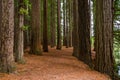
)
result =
(36, 29)
(64, 22)
(45, 32)
(75, 29)
(6, 35)
(26, 39)
(59, 44)
(16, 25)
(94, 17)
(104, 61)
(70, 24)
(27, 23)
(42, 22)
(53, 27)
(19, 37)
(84, 32)
(67, 24)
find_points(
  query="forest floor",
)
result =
(55, 65)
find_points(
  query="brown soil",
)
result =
(55, 65)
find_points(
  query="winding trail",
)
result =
(55, 65)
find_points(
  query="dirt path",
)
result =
(55, 65)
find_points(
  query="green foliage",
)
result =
(117, 36)
(23, 11)
(27, 17)
(117, 9)
(27, 3)
(92, 41)
(116, 33)
(116, 44)
(117, 4)
(16, 3)
(25, 27)
(116, 68)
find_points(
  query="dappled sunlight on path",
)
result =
(55, 65)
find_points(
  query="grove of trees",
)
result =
(39, 24)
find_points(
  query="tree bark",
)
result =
(84, 32)
(104, 61)
(45, 29)
(59, 44)
(64, 22)
(75, 29)
(19, 35)
(27, 23)
(67, 24)
(53, 27)
(70, 24)
(36, 29)
(6, 36)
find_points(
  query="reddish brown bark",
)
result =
(6, 35)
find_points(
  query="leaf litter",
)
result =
(54, 65)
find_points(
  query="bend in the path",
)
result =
(55, 65)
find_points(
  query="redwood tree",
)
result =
(19, 38)
(64, 22)
(36, 29)
(104, 61)
(67, 23)
(45, 32)
(6, 35)
(59, 44)
(75, 29)
(53, 26)
(84, 31)
(70, 22)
